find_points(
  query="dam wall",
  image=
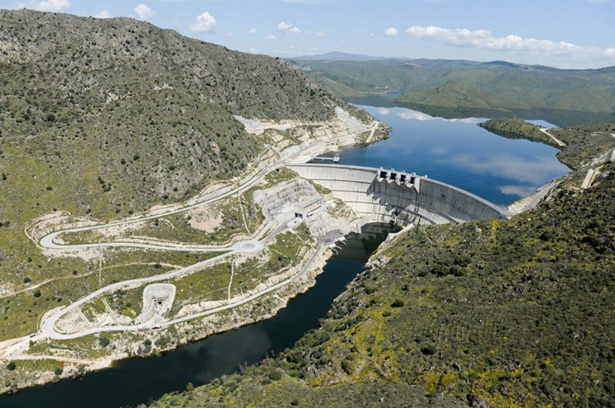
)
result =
(406, 198)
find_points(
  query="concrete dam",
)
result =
(405, 198)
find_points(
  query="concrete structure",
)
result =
(157, 300)
(589, 178)
(282, 200)
(399, 196)
(308, 207)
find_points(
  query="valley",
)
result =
(189, 225)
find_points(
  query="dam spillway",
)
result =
(399, 196)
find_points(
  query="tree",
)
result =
(104, 342)
(11, 366)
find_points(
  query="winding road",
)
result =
(50, 241)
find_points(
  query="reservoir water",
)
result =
(459, 152)
(138, 380)
(456, 151)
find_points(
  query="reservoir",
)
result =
(460, 153)
(455, 151)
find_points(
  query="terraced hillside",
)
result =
(106, 118)
(484, 314)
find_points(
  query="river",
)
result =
(455, 151)
(137, 380)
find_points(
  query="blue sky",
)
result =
(563, 33)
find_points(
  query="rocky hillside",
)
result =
(141, 113)
(106, 118)
(515, 313)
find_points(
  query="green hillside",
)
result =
(454, 94)
(514, 313)
(515, 128)
(457, 87)
(108, 117)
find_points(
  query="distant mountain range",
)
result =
(461, 86)
(340, 56)
(343, 56)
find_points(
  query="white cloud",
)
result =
(484, 39)
(252, 31)
(609, 52)
(143, 12)
(288, 28)
(103, 14)
(270, 37)
(532, 171)
(205, 23)
(372, 35)
(283, 27)
(391, 32)
(51, 5)
(320, 35)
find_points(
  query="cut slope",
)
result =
(105, 118)
(490, 313)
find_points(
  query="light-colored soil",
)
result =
(206, 219)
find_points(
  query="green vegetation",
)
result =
(454, 94)
(583, 143)
(19, 313)
(106, 118)
(511, 313)
(239, 215)
(465, 88)
(207, 285)
(515, 128)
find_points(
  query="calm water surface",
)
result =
(458, 152)
(138, 380)
(454, 151)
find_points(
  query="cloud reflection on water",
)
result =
(409, 114)
(520, 191)
(532, 171)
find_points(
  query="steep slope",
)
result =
(513, 313)
(122, 89)
(106, 118)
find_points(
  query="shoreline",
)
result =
(202, 328)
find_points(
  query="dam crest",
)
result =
(401, 197)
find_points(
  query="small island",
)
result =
(515, 128)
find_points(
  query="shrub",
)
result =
(104, 342)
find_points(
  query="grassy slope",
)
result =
(514, 128)
(454, 94)
(512, 313)
(496, 85)
(106, 118)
